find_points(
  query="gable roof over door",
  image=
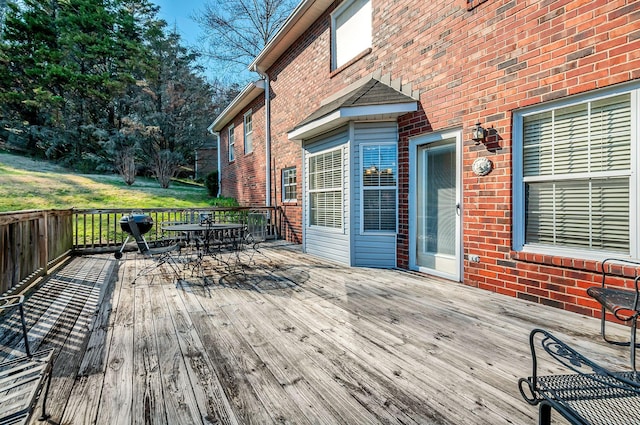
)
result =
(372, 100)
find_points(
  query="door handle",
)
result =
(458, 209)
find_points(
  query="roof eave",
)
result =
(246, 96)
(353, 113)
(303, 16)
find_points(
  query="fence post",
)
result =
(43, 241)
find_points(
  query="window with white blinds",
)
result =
(379, 168)
(232, 144)
(577, 176)
(325, 189)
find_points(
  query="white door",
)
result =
(436, 212)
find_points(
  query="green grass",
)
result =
(27, 184)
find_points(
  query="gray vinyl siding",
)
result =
(329, 243)
(370, 249)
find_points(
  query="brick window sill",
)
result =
(472, 4)
(351, 62)
(558, 261)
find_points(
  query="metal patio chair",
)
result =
(24, 378)
(622, 303)
(161, 255)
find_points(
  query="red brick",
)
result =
(556, 49)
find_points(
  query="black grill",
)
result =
(144, 222)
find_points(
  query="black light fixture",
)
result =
(478, 133)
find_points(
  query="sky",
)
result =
(179, 13)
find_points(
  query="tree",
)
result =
(175, 108)
(237, 30)
(3, 10)
(30, 74)
(101, 84)
(66, 61)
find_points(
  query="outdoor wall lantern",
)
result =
(478, 133)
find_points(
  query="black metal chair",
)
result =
(622, 303)
(24, 378)
(161, 255)
(584, 392)
(256, 233)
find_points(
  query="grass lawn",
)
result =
(31, 184)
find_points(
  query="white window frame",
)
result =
(286, 184)
(339, 190)
(634, 177)
(364, 189)
(248, 132)
(231, 142)
(353, 36)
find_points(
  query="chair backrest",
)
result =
(17, 301)
(257, 226)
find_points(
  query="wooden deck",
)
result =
(295, 340)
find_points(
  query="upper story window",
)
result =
(576, 177)
(379, 168)
(232, 144)
(351, 31)
(248, 132)
(325, 189)
(289, 185)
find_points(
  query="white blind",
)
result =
(325, 187)
(611, 134)
(379, 207)
(440, 213)
(379, 179)
(573, 159)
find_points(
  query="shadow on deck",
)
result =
(293, 339)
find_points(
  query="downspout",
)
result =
(219, 170)
(267, 133)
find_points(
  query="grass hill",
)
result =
(32, 184)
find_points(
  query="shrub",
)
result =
(211, 181)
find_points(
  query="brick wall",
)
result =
(244, 178)
(469, 65)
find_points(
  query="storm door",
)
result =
(436, 245)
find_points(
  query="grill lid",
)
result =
(144, 222)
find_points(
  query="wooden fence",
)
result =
(33, 241)
(30, 243)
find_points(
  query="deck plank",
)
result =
(179, 399)
(318, 369)
(238, 368)
(84, 399)
(147, 394)
(116, 398)
(92, 283)
(291, 339)
(207, 389)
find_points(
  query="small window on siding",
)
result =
(577, 176)
(351, 31)
(232, 144)
(248, 132)
(289, 185)
(325, 189)
(379, 167)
